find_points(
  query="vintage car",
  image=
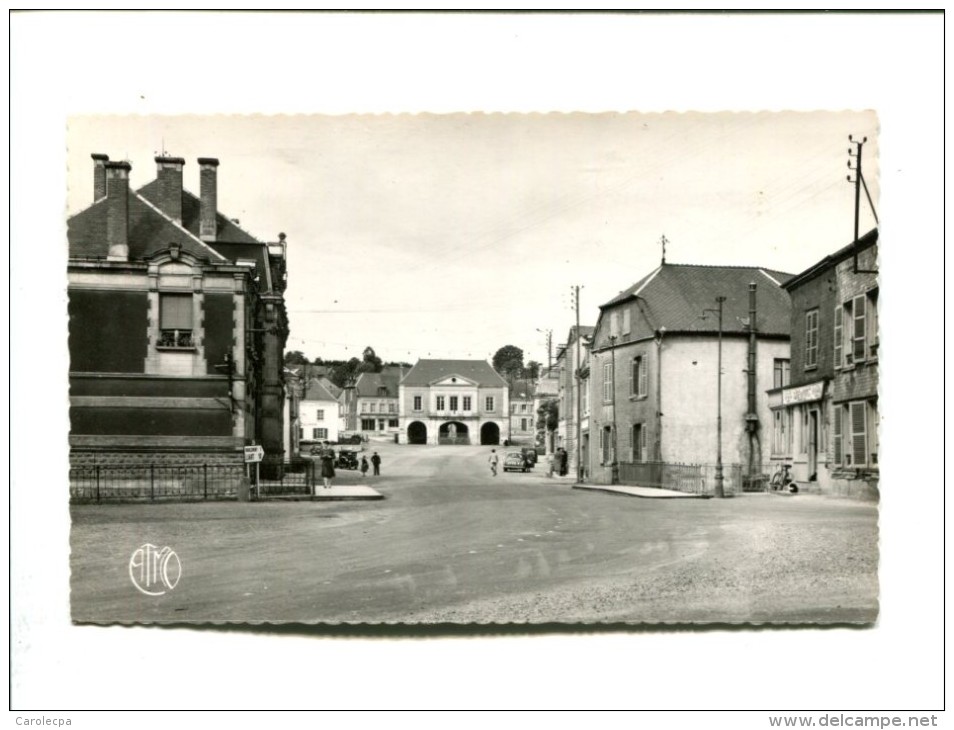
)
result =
(530, 454)
(515, 461)
(347, 459)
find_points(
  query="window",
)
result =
(392, 423)
(466, 402)
(783, 372)
(585, 407)
(606, 439)
(367, 424)
(374, 407)
(392, 407)
(321, 414)
(856, 329)
(627, 323)
(523, 424)
(637, 442)
(614, 324)
(319, 433)
(301, 433)
(364, 407)
(858, 437)
(607, 382)
(838, 446)
(439, 403)
(175, 321)
(811, 339)
(418, 405)
(489, 403)
(453, 402)
(637, 377)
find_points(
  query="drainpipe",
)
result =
(752, 416)
(657, 447)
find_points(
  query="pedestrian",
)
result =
(376, 463)
(564, 457)
(327, 467)
(494, 459)
(550, 465)
(364, 465)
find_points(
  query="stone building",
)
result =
(654, 374)
(177, 324)
(825, 418)
(453, 402)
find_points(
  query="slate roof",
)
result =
(151, 230)
(316, 390)
(675, 295)
(425, 372)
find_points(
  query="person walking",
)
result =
(364, 465)
(494, 459)
(376, 463)
(327, 467)
(564, 457)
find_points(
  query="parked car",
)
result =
(530, 454)
(347, 459)
(350, 438)
(515, 461)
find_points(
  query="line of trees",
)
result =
(339, 372)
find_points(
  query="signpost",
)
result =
(254, 455)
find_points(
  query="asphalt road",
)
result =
(450, 543)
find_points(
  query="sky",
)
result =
(452, 235)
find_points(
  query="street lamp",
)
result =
(614, 465)
(719, 476)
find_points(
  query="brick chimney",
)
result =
(208, 194)
(169, 175)
(117, 210)
(99, 175)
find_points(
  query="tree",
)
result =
(370, 362)
(295, 357)
(532, 371)
(548, 418)
(508, 361)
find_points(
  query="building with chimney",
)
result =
(825, 408)
(453, 402)
(654, 375)
(371, 403)
(177, 324)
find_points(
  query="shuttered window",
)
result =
(837, 435)
(811, 339)
(175, 312)
(839, 342)
(859, 434)
(607, 382)
(627, 323)
(860, 330)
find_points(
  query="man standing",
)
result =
(493, 461)
(376, 463)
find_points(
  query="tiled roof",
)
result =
(317, 391)
(149, 231)
(226, 230)
(675, 296)
(427, 371)
(368, 384)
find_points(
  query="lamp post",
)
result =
(614, 465)
(719, 476)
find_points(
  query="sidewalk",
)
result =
(343, 492)
(645, 492)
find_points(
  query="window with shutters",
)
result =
(811, 339)
(839, 336)
(837, 438)
(627, 321)
(319, 433)
(175, 321)
(637, 377)
(858, 438)
(614, 324)
(859, 329)
(856, 329)
(607, 382)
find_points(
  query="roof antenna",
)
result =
(663, 241)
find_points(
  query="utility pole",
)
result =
(549, 334)
(579, 389)
(719, 475)
(859, 181)
(614, 465)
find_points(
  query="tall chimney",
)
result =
(208, 197)
(117, 209)
(99, 175)
(169, 174)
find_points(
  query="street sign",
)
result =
(254, 454)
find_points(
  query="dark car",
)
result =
(515, 461)
(347, 459)
(530, 454)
